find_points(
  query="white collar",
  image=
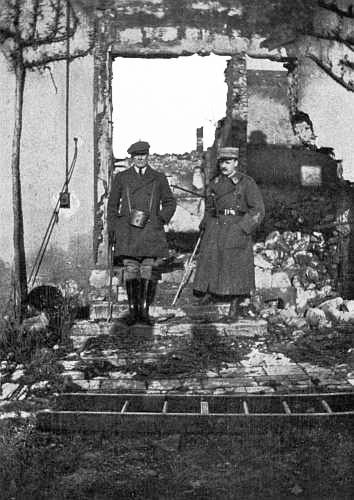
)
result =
(137, 170)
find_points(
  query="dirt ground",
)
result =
(297, 463)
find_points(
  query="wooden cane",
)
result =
(188, 270)
(110, 270)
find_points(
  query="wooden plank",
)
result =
(245, 408)
(326, 406)
(286, 408)
(125, 406)
(204, 408)
(149, 423)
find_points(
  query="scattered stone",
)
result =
(36, 324)
(15, 414)
(70, 365)
(121, 375)
(315, 317)
(349, 304)
(261, 262)
(22, 394)
(263, 278)
(41, 385)
(71, 356)
(335, 303)
(219, 391)
(272, 240)
(73, 374)
(8, 389)
(280, 280)
(17, 375)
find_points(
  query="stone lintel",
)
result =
(165, 41)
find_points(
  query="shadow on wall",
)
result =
(61, 265)
(257, 137)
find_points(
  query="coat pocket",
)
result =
(235, 237)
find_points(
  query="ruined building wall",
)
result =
(127, 28)
(331, 109)
(43, 155)
(268, 108)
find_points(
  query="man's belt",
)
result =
(228, 211)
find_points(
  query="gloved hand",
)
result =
(111, 237)
(160, 222)
(202, 225)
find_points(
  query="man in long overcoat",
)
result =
(234, 209)
(139, 205)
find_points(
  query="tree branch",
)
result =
(6, 33)
(17, 14)
(56, 33)
(347, 85)
(35, 19)
(46, 59)
(56, 6)
(333, 7)
(347, 63)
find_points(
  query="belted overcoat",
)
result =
(150, 193)
(225, 264)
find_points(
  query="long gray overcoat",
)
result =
(226, 264)
(129, 188)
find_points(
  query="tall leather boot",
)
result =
(147, 292)
(234, 311)
(133, 294)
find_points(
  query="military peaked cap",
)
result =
(139, 148)
(227, 153)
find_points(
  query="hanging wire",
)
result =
(53, 220)
(68, 171)
(67, 94)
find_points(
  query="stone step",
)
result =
(182, 385)
(183, 328)
(99, 310)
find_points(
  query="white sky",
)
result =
(164, 101)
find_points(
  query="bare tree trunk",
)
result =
(20, 274)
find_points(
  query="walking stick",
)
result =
(188, 271)
(110, 270)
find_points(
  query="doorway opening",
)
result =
(164, 101)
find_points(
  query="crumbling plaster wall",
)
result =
(331, 109)
(268, 108)
(43, 151)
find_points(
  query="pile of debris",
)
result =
(296, 280)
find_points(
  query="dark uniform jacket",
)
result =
(226, 263)
(150, 193)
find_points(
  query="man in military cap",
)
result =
(234, 209)
(139, 205)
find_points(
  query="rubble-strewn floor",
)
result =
(111, 357)
(216, 365)
(190, 349)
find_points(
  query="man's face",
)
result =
(229, 167)
(140, 161)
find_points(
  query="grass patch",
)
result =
(302, 463)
